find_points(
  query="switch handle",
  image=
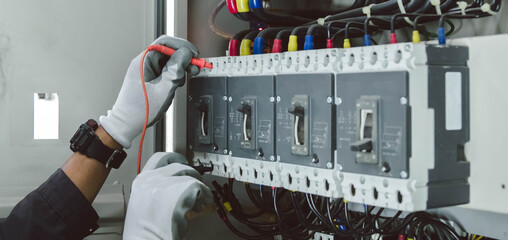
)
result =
(364, 145)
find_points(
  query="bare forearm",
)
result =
(86, 173)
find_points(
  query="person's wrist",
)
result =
(107, 140)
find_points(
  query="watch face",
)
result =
(82, 138)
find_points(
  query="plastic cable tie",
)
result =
(366, 10)
(486, 8)
(403, 10)
(462, 6)
(228, 207)
(437, 4)
(321, 21)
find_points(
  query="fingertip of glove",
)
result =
(193, 70)
(176, 43)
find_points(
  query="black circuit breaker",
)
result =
(251, 117)
(305, 119)
(207, 115)
(372, 124)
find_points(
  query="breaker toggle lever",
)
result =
(364, 145)
(247, 128)
(202, 107)
(245, 109)
(298, 111)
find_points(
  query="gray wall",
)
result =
(80, 50)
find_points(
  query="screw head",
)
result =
(403, 101)
(385, 168)
(329, 100)
(225, 98)
(272, 99)
(403, 174)
(329, 165)
(338, 101)
(315, 158)
(230, 99)
(272, 158)
(225, 151)
(339, 167)
(407, 47)
(278, 98)
(190, 147)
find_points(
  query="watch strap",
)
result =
(110, 157)
(86, 142)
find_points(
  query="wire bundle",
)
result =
(293, 215)
(312, 29)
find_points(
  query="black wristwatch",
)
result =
(86, 142)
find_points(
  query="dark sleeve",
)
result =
(55, 210)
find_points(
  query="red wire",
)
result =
(147, 110)
(168, 51)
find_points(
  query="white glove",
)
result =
(160, 197)
(163, 75)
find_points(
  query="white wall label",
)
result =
(46, 116)
(453, 88)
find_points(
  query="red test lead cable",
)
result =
(201, 63)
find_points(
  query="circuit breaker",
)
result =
(251, 117)
(378, 125)
(305, 114)
(372, 120)
(207, 115)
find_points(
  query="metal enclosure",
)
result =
(79, 50)
(486, 213)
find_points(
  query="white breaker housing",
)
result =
(379, 125)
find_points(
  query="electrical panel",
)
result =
(379, 125)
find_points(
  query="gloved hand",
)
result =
(160, 197)
(163, 75)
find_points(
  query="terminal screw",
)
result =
(403, 174)
(315, 158)
(403, 101)
(329, 165)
